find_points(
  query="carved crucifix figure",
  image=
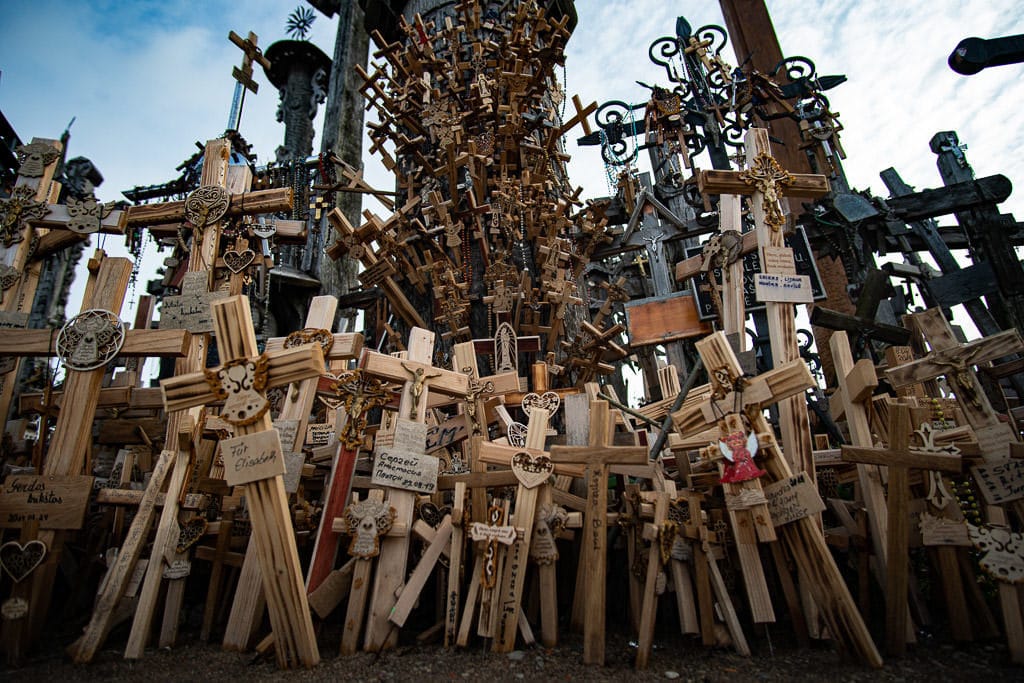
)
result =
(257, 463)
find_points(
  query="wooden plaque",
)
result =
(663, 319)
(319, 434)
(783, 288)
(191, 309)
(293, 463)
(289, 431)
(1002, 482)
(404, 464)
(55, 502)
(252, 457)
(778, 260)
(792, 499)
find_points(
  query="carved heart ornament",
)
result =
(190, 532)
(237, 261)
(532, 470)
(548, 401)
(19, 560)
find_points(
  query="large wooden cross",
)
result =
(598, 457)
(766, 183)
(802, 536)
(899, 457)
(256, 462)
(69, 443)
(420, 378)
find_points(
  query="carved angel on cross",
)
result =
(739, 451)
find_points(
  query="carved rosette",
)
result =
(90, 340)
(206, 204)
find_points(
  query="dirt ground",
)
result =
(671, 659)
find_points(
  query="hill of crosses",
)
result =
(469, 470)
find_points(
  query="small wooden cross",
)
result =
(257, 463)
(899, 457)
(252, 53)
(598, 457)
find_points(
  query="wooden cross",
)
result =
(257, 463)
(767, 183)
(251, 53)
(72, 435)
(802, 536)
(899, 457)
(395, 295)
(532, 466)
(857, 382)
(598, 457)
(419, 378)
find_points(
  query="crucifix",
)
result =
(802, 536)
(254, 460)
(415, 367)
(766, 183)
(598, 457)
(899, 457)
(355, 395)
(955, 361)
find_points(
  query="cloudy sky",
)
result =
(147, 79)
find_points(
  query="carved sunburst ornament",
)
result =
(15, 213)
(90, 340)
(768, 177)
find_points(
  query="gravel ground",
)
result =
(685, 661)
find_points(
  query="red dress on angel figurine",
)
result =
(739, 451)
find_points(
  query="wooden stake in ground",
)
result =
(598, 457)
(253, 458)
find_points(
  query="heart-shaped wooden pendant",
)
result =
(19, 560)
(548, 401)
(264, 229)
(532, 470)
(190, 532)
(237, 261)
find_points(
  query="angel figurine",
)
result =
(739, 450)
